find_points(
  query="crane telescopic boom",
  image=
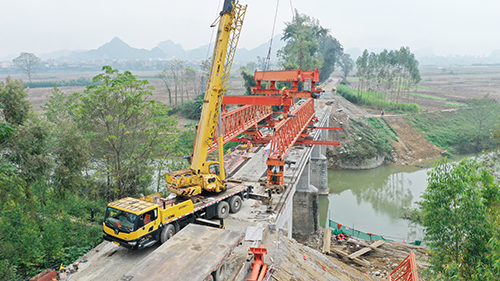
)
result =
(203, 174)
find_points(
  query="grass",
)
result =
(455, 104)
(375, 100)
(371, 138)
(390, 128)
(427, 96)
(377, 124)
(459, 131)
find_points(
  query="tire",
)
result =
(210, 278)
(167, 232)
(235, 203)
(223, 210)
(220, 273)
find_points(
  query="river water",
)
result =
(373, 200)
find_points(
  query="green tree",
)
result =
(27, 63)
(302, 47)
(248, 80)
(457, 212)
(392, 73)
(331, 51)
(29, 150)
(362, 71)
(14, 103)
(69, 147)
(346, 64)
(485, 113)
(125, 130)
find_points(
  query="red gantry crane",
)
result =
(289, 127)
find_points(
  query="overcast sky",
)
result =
(449, 27)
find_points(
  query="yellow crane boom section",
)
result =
(203, 174)
(225, 47)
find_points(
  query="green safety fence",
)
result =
(338, 228)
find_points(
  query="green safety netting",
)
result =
(338, 228)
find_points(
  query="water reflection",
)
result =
(373, 200)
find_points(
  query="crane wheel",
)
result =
(167, 233)
(235, 203)
(223, 210)
(220, 273)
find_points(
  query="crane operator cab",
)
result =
(131, 223)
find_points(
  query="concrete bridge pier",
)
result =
(319, 168)
(305, 206)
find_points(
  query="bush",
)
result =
(190, 109)
(38, 236)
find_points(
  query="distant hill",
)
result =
(172, 50)
(116, 49)
(55, 54)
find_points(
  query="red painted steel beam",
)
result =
(287, 75)
(288, 131)
(290, 93)
(327, 128)
(257, 100)
(239, 120)
(317, 142)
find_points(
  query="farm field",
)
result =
(39, 96)
(450, 87)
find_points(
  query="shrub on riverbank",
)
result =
(370, 138)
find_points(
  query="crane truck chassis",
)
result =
(139, 223)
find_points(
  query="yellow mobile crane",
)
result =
(203, 174)
(140, 223)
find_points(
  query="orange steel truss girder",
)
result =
(239, 120)
(287, 75)
(258, 100)
(288, 131)
(406, 270)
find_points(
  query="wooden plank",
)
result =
(327, 238)
(366, 250)
(376, 244)
(192, 254)
(356, 260)
(359, 253)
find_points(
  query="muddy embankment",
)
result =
(409, 147)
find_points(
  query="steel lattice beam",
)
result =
(288, 131)
(285, 135)
(239, 120)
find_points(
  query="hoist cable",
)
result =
(213, 30)
(267, 65)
